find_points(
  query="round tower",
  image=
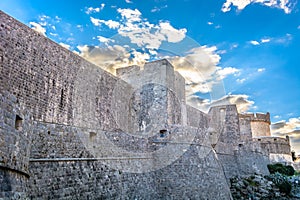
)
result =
(260, 124)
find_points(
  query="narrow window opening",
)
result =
(259, 139)
(48, 132)
(61, 98)
(163, 133)
(93, 136)
(240, 145)
(18, 123)
(275, 139)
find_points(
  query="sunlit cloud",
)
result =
(110, 23)
(261, 69)
(240, 100)
(285, 5)
(266, 40)
(38, 28)
(65, 45)
(140, 31)
(94, 10)
(290, 128)
(254, 42)
(242, 80)
(104, 39)
(157, 9)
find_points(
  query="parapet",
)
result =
(275, 145)
(258, 117)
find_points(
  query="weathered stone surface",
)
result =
(262, 187)
(86, 134)
(70, 130)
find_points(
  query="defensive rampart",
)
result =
(65, 129)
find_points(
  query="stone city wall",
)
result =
(72, 142)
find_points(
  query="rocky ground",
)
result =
(275, 186)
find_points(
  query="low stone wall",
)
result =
(275, 145)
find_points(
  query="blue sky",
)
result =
(236, 51)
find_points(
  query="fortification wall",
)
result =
(78, 147)
(54, 84)
(61, 168)
(15, 141)
(275, 145)
(236, 151)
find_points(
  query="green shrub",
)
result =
(280, 168)
(281, 182)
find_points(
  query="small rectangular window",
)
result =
(18, 123)
(163, 133)
(92, 136)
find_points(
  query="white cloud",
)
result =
(277, 117)
(261, 69)
(286, 127)
(37, 27)
(284, 39)
(143, 33)
(140, 31)
(113, 57)
(128, 1)
(298, 27)
(285, 5)
(65, 45)
(241, 80)
(241, 100)
(210, 23)
(44, 17)
(54, 34)
(94, 10)
(290, 128)
(218, 26)
(104, 39)
(266, 40)
(262, 41)
(130, 15)
(91, 10)
(199, 68)
(57, 18)
(110, 23)
(172, 34)
(224, 72)
(157, 9)
(254, 42)
(233, 46)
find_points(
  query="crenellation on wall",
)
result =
(263, 117)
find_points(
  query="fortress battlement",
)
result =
(259, 117)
